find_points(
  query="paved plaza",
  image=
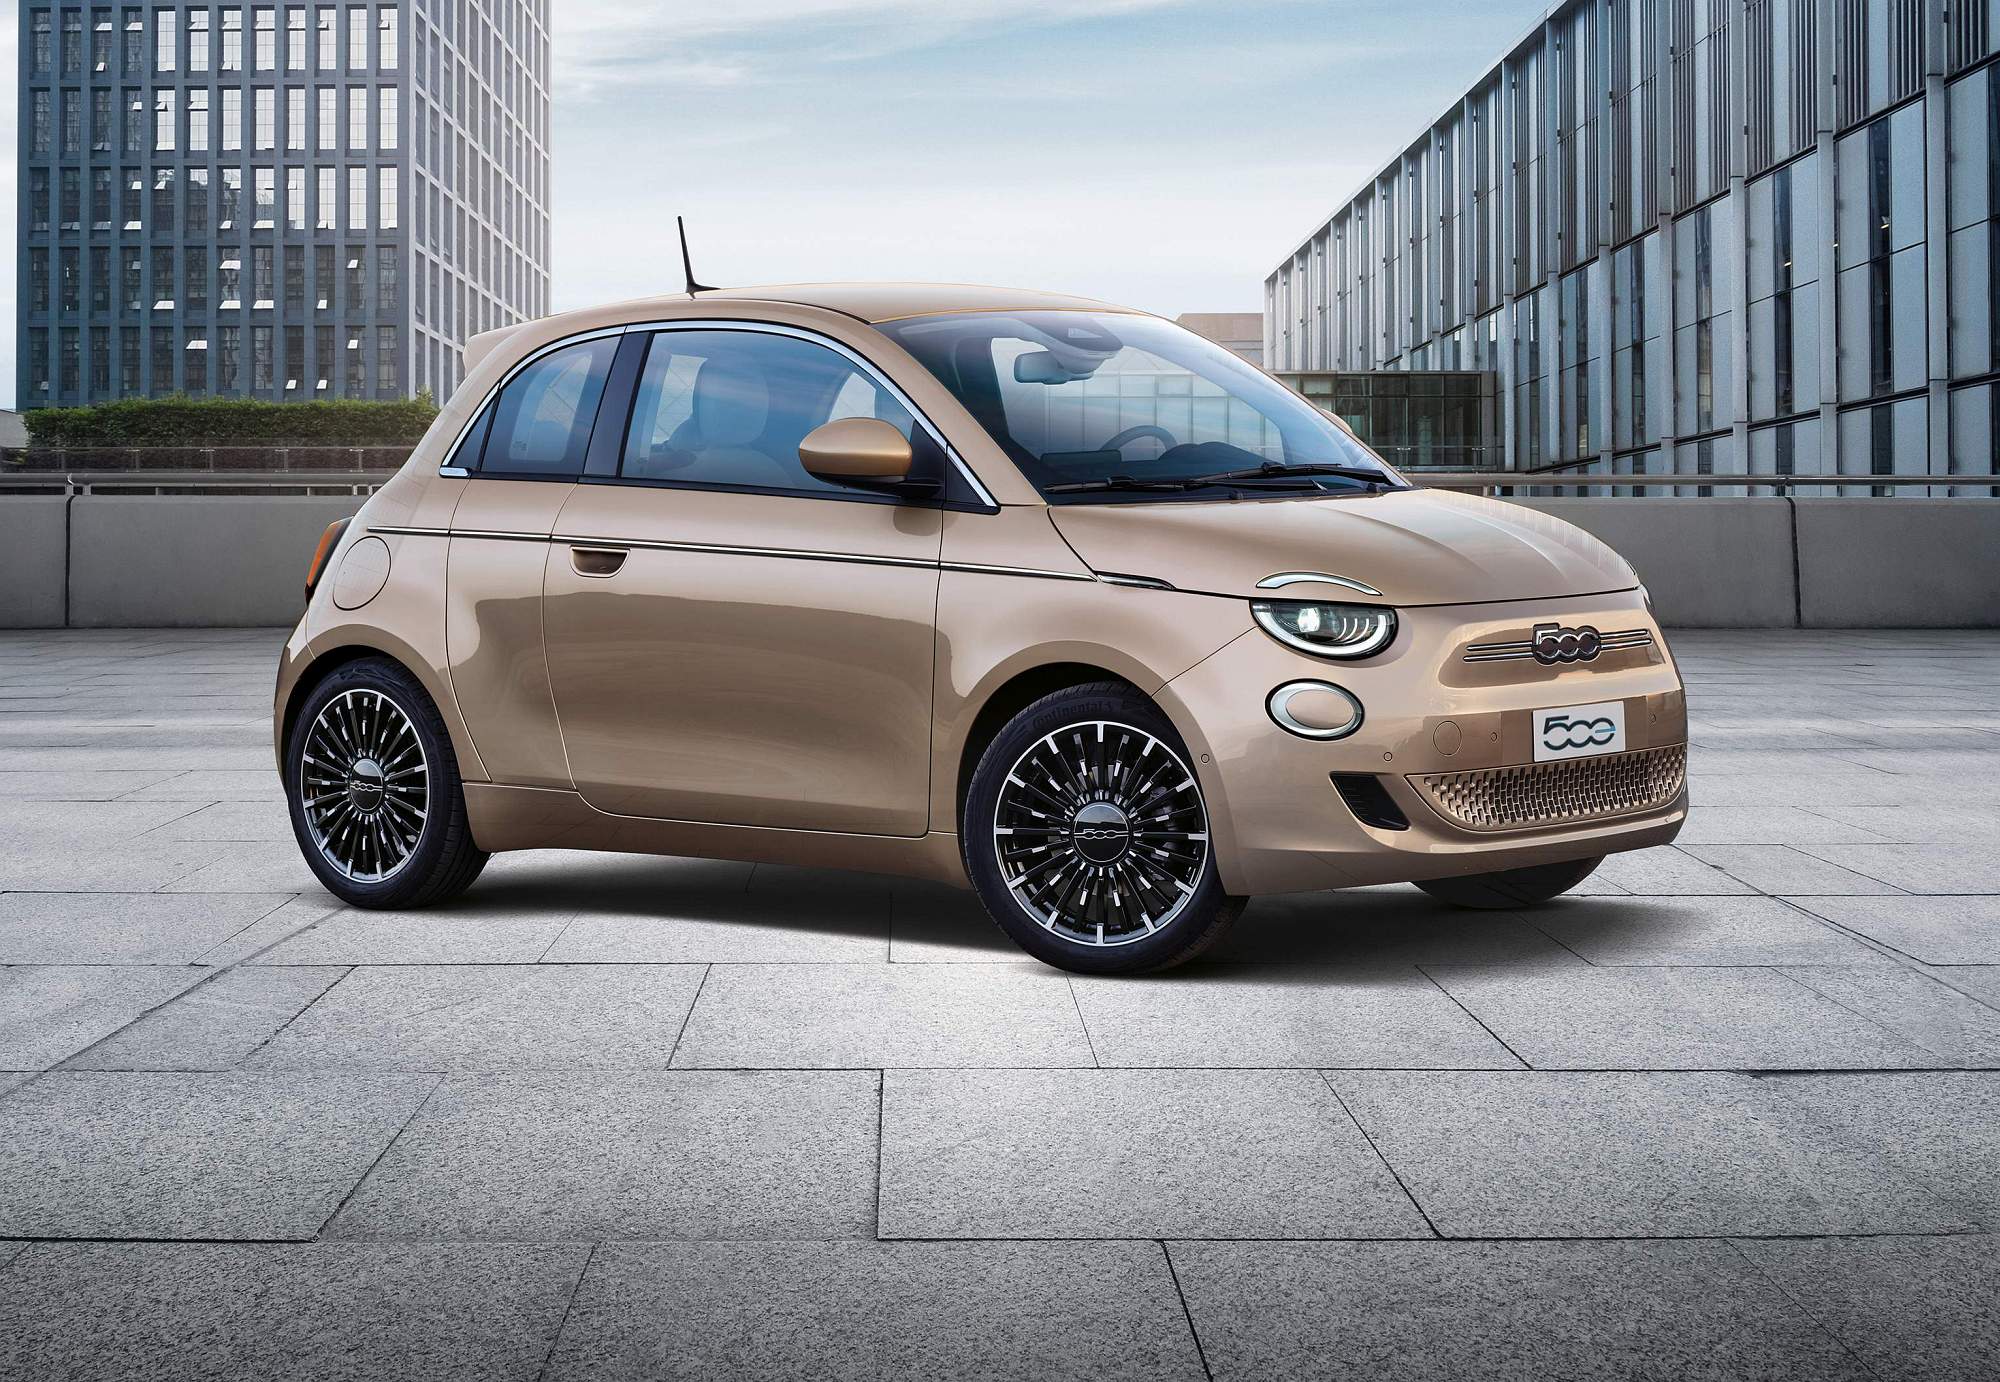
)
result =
(1731, 1112)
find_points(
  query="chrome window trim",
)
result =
(1285, 578)
(853, 357)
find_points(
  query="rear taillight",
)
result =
(328, 540)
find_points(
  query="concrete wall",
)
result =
(32, 561)
(191, 561)
(167, 561)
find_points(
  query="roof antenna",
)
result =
(687, 265)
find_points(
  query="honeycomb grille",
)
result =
(1572, 789)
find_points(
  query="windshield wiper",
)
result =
(1115, 482)
(1277, 470)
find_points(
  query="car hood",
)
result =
(1416, 547)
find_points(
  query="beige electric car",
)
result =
(1006, 589)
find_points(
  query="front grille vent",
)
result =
(1515, 649)
(1370, 801)
(1571, 789)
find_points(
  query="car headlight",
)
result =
(1326, 630)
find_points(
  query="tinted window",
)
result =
(730, 408)
(542, 423)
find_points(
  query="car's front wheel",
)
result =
(1087, 836)
(374, 791)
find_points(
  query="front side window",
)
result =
(729, 408)
(542, 423)
(1101, 406)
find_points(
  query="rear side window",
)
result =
(542, 421)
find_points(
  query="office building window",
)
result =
(165, 195)
(228, 359)
(100, 363)
(69, 362)
(72, 200)
(42, 140)
(72, 123)
(325, 39)
(136, 140)
(388, 285)
(163, 278)
(355, 288)
(389, 53)
(323, 283)
(261, 363)
(100, 42)
(101, 123)
(232, 40)
(357, 199)
(198, 218)
(295, 118)
(266, 107)
(198, 40)
(128, 362)
(165, 40)
(357, 119)
(232, 118)
(38, 280)
(295, 358)
(388, 374)
(162, 371)
(134, 282)
(41, 59)
(100, 279)
(295, 199)
(295, 40)
(357, 39)
(385, 197)
(72, 56)
(134, 197)
(229, 212)
(197, 120)
(266, 22)
(266, 194)
(355, 383)
(194, 278)
(38, 199)
(295, 279)
(263, 278)
(135, 42)
(329, 118)
(385, 123)
(229, 281)
(100, 199)
(324, 357)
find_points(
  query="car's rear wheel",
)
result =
(1087, 836)
(1509, 888)
(374, 791)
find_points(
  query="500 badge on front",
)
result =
(1578, 731)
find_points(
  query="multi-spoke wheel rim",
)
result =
(1101, 833)
(364, 785)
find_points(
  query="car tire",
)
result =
(372, 783)
(1510, 888)
(1103, 756)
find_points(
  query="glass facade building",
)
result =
(1694, 236)
(276, 201)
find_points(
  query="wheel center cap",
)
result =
(366, 784)
(1101, 833)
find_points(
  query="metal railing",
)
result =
(72, 484)
(1489, 482)
(271, 458)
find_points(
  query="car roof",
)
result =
(879, 302)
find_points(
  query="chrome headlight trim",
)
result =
(1376, 627)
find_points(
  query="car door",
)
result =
(521, 457)
(731, 640)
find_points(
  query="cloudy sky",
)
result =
(1161, 153)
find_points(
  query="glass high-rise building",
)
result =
(1718, 236)
(276, 201)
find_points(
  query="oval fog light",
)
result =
(1315, 709)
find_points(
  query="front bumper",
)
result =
(1435, 723)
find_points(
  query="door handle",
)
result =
(596, 561)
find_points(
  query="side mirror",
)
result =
(853, 450)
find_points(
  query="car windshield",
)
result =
(1114, 407)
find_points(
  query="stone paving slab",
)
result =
(81, 1312)
(215, 1026)
(50, 1012)
(883, 1016)
(1497, 1312)
(1939, 1129)
(1697, 931)
(1787, 871)
(230, 1155)
(1236, 1016)
(1129, 1154)
(1536, 1155)
(1911, 1309)
(122, 928)
(863, 1311)
(464, 934)
(1934, 930)
(1673, 1018)
(686, 1154)
(1927, 1008)
(490, 1017)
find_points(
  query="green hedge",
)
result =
(182, 421)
